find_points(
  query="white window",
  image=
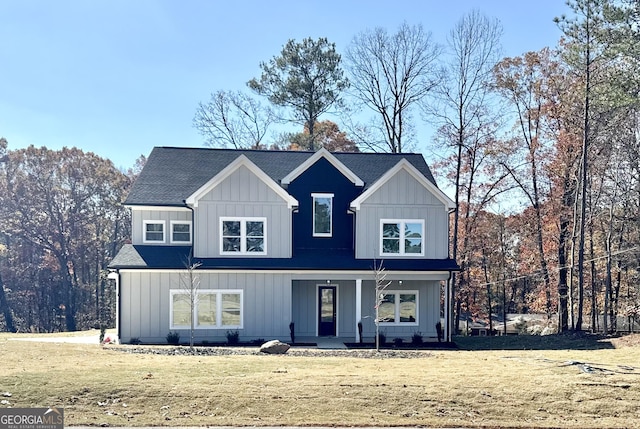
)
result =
(180, 231)
(213, 309)
(399, 308)
(402, 237)
(153, 231)
(322, 215)
(244, 236)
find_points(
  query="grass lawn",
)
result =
(509, 382)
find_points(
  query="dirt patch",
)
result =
(630, 340)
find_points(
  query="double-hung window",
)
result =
(212, 309)
(153, 231)
(398, 308)
(243, 236)
(402, 237)
(322, 215)
(180, 231)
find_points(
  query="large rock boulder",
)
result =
(274, 347)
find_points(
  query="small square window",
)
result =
(180, 232)
(153, 231)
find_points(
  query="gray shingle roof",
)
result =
(172, 174)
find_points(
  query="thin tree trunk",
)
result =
(6, 309)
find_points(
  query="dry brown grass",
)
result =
(488, 388)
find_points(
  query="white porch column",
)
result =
(114, 275)
(447, 321)
(358, 307)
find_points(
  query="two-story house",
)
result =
(283, 237)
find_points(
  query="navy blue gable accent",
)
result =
(323, 177)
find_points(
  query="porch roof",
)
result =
(176, 257)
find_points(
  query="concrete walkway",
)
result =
(327, 343)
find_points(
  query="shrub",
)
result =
(382, 338)
(173, 337)
(258, 341)
(135, 341)
(397, 342)
(233, 337)
(416, 338)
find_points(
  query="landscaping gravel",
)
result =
(294, 351)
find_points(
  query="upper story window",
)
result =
(180, 231)
(243, 236)
(153, 231)
(322, 215)
(402, 237)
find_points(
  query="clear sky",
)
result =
(118, 77)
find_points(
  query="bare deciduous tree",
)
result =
(390, 73)
(381, 283)
(189, 284)
(463, 108)
(233, 119)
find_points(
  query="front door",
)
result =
(326, 311)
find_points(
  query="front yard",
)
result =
(592, 386)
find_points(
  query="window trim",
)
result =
(243, 235)
(154, 222)
(397, 294)
(181, 222)
(401, 250)
(218, 293)
(313, 214)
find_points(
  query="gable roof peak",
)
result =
(241, 161)
(404, 165)
(322, 153)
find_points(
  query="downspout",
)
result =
(193, 227)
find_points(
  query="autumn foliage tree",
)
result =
(61, 221)
(328, 136)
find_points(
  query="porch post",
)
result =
(447, 322)
(358, 307)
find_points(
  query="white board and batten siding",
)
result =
(242, 194)
(402, 197)
(145, 304)
(166, 214)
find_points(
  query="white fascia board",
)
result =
(240, 161)
(333, 275)
(405, 165)
(322, 153)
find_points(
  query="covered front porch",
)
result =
(338, 309)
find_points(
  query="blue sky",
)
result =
(118, 77)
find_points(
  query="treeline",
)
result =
(548, 213)
(541, 152)
(61, 222)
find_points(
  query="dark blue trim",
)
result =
(175, 257)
